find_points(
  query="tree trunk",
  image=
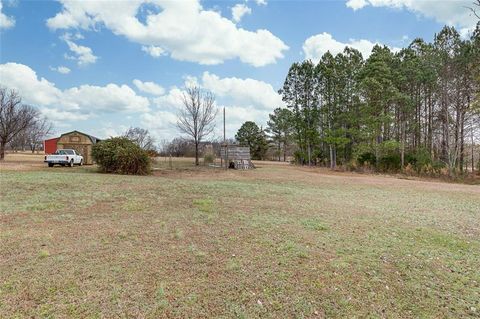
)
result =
(309, 154)
(333, 157)
(377, 151)
(2, 150)
(402, 137)
(430, 125)
(473, 151)
(457, 137)
(279, 150)
(462, 142)
(196, 154)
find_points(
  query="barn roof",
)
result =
(51, 139)
(91, 137)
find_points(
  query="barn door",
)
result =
(85, 154)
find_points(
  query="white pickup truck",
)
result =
(64, 157)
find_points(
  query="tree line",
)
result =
(418, 107)
(413, 109)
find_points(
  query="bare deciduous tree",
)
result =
(19, 142)
(141, 137)
(33, 136)
(179, 147)
(15, 117)
(197, 118)
(37, 132)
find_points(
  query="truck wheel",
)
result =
(50, 164)
(71, 163)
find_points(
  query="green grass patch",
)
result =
(314, 224)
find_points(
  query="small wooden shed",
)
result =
(82, 143)
(235, 156)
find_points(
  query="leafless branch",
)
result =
(141, 137)
(474, 10)
(197, 118)
(15, 117)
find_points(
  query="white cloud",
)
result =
(453, 12)
(243, 92)
(76, 103)
(237, 115)
(109, 129)
(83, 54)
(56, 115)
(34, 90)
(261, 2)
(149, 87)
(61, 69)
(356, 4)
(239, 10)
(316, 46)
(190, 81)
(173, 100)
(109, 98)
(6, 22)
(202, 36)
(161, 124)
(161, 121)
(153, 50)
(244, 100)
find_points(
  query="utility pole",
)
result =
(225, 140)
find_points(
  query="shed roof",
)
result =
(91, 137)
(51, 139)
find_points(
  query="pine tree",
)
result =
(379, 93)
(420, 106)
(300, 94)
(280, 127)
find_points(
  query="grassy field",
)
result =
(275, 242)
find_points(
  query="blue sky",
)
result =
(103, 66)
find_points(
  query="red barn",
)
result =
(50, 146)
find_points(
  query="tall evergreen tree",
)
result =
(300, 94)
(379, 93)
(419, 106)
(280, 126)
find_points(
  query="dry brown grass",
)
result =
(275, 242)
(22, 161)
